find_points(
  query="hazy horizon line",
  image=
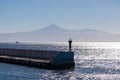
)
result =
(57, 26)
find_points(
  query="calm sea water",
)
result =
(93, 61)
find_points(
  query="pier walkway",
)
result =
(26, 59)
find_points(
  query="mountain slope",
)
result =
(54, 33)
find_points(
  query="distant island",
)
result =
(53, 33)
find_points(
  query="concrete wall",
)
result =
(37, 54)
(55, 57)
(63, 58)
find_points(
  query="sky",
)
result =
(28, 15)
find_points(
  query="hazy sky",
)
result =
(25, 15)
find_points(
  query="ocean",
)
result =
(93, 61)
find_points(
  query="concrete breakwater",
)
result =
(38, 58)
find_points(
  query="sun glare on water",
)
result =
(102, 45)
